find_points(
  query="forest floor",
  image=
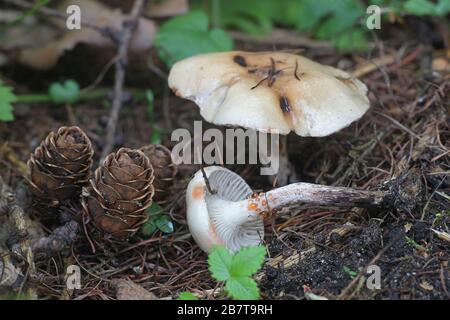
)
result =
(324, 251)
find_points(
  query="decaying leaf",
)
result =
(46, 53)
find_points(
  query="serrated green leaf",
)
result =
(219, 261)
(188, 35)
(242, 288)
(187, 296)
(247, 261)
(7, 97)
(67, 92)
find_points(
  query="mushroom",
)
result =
(223, 210)
(273, 92)
(226, 187)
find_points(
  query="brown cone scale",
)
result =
(120, 193)
(60, 166)
(164, 170)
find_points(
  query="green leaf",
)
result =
(188, 35)
(242, 288)
(67, 92)
(7, 97)
(187, 296)
(247, 261)
(442, 8)
(252, 16)
(219, 261)
(311, 13)
(352, 274)
(164, 224)
(355, 40)
(156, 221)
(149, 228)
(155, 209)
(420, 7)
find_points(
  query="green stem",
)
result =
(84, 96)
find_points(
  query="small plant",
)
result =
(157, 221)
(188, 35)
(340, 22)
(67, 92)
(352, 274)
(412, 243)
(237, 270)
(7, 97)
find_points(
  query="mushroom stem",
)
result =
(286, 171)
(316, 194)
(234, 218)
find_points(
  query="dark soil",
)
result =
(403, 268)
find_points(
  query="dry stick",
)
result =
(122, 56)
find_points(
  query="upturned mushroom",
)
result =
(235, 230)
(222, 209)
(273, 92)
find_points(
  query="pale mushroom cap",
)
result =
(226, 226)
(302, 95)
(197, 213)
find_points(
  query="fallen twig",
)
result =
(123, 40)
